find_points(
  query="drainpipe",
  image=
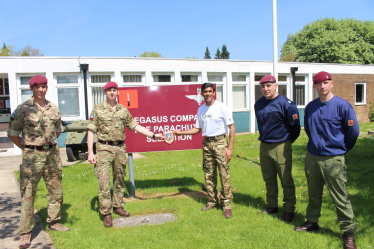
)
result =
(84, 67)
(293, 70)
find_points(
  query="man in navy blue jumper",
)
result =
(331, 125)
(279, 126)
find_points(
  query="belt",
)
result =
(115, 143)
(42, 147)
(215, 138)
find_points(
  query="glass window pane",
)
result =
(68, 102)
(67, 79)
(132, 78)
(215, 78)
(100, 78)
(238, 77)
(282, 89)
(98, 95)
(189, 78)
(258, 77)
(161, 78)
(25, 80)
(300, 78)
(258, 92)
(315, 93)
(6, 86)
(25, 95)
(1, 87)
(239, 96)
(300, 95)
(359, 93)
(219, 93)
(282, 78)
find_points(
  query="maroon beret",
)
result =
(111, 85)
(268, 79)
(321, 76)
(38, 79)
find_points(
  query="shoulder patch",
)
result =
(295, 116)
(351, 122)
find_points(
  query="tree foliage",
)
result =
(151, 54)
(218, 54)
(332, 41)
(27, 50)
(224, 53)
(207, 54)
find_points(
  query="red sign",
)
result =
(159, 109)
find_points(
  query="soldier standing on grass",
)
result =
(332, 128)
(279, 126)
(109, 120)
(40, 123)
(213, 117)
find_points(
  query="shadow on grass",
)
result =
(43, 214)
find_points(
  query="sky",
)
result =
(175, 29)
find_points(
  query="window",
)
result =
(162, 78)
(258, 76)
(132, 78)
(25, 80)
(258, 92)
(360, 93)
(189, 78)
(101, 78)
(300, 95)
(215, 78)
(282, 77)
(300, 78)
(239, 77)
(98, 95)
(282, 89)
(219, 93)
(67, 79)
(68, 91)
(24, 92)
(6, 87)
(25, 95)
(239, 96)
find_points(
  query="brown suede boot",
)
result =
(349, 241)
(121, 212)
(24, 242)
(108, 220)
(58, 227)
(227, 213)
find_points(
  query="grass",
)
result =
(172, 182)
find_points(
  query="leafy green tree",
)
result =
(224, 53)
(6, 50)
(151, 54)
(207, 54)
(191, 57)
(332, 41)
(218, 54)
(27, 50)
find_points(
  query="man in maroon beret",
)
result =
(40, 123)
(279, 126)
(331, 125)
(109, 120)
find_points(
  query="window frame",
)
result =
(172, 79)
(91, 85)
(4, 95)
(246, 86)
(364, 93)
(302, 83)
(198, 74)
(20, 87)
(222, 83)
(133, 83)
(79, 86)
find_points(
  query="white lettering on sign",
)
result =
(172, 127)
(184, 118)
(153, 119)
(177, 138)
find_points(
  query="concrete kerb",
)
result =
(10, 202)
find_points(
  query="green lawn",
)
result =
(163, 177)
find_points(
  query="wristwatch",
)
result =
(154, 136)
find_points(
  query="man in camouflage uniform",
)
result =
(109, 120)
(40, 123)
(213, 118)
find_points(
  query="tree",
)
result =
(151, 54)
(332, 41)
(191, 57)
(27, 50)
(218, 54)
(207, 54)
(224, 53)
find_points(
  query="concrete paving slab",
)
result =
(153, 219)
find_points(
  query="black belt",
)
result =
(42, 147)
(215, 138)
(111, 142)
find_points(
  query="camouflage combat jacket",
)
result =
(110, 125)
(39, 126)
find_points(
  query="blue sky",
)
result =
(175, 29)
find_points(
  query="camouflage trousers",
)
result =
(213, 157)
(37, 164)
(108, 156)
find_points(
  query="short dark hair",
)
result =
(206, 85)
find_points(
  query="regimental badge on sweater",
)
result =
(351, 122)
(295, 116)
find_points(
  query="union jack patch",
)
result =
(13, 115)
(351, 122)
(91, 117)
(295, 116)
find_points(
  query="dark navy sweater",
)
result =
(277, 119)
(331, 126)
